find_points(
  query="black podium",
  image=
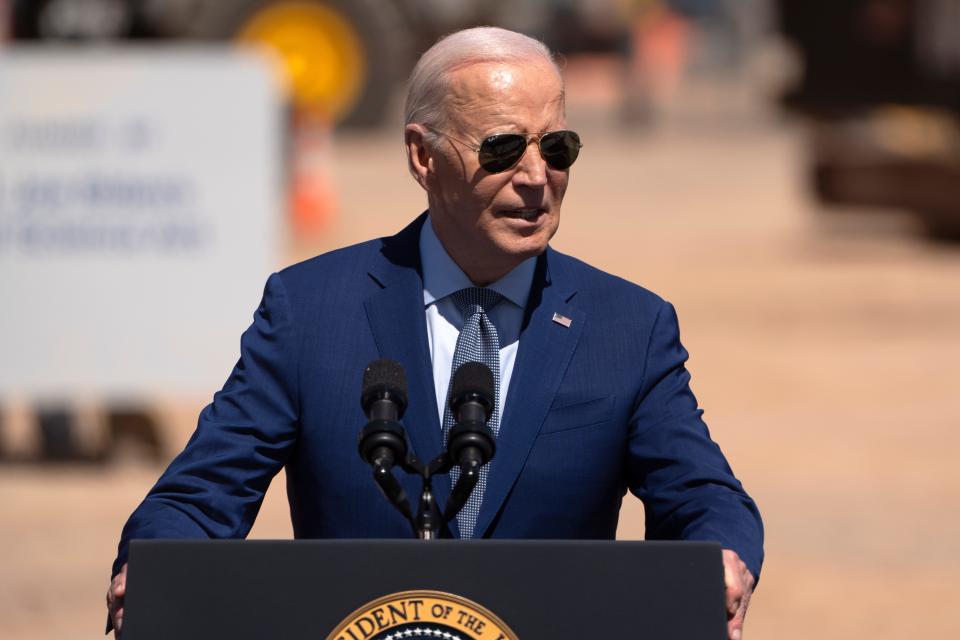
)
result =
(441, 590)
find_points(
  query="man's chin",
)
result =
(523, 247)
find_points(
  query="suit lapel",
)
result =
(545, 349)
(399, 327)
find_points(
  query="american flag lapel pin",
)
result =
(562, 320)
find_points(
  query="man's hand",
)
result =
(739, 587)
(118, 587)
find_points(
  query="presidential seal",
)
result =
(422, 615)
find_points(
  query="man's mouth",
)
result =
(531, 213)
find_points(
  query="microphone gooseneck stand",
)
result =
(382, 442)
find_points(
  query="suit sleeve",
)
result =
(215, 487)
(688, 489)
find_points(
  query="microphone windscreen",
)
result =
(473, 378)
(384, 376)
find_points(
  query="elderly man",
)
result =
(592, 394)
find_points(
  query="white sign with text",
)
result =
(140, 211)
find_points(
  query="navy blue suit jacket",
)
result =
(594, 409)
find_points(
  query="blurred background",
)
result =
(787, 173)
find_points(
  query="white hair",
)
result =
(430, 83)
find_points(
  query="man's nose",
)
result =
(532, 168)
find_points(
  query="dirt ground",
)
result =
(825, 350)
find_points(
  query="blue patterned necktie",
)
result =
(478, 342)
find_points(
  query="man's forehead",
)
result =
(502, 77)
(494, 77)
(503, 85)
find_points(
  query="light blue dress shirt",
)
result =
(441, 278)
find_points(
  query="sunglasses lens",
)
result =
(502, 151)
(560, 148)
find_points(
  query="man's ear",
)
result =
(419, 158)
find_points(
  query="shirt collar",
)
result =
(442, 276)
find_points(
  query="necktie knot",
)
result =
(473, 300)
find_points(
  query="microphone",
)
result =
(384, 399)
(382, 442)
(470, 444)
(384, 395)
(471, 393)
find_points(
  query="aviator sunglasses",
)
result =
(502, 151)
